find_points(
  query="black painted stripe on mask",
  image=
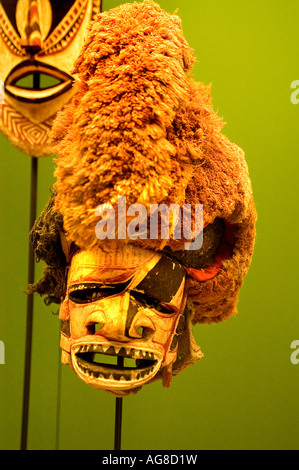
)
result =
(163, 280)
(65, 328)
(131, 312)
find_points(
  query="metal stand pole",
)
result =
(118, 414)
(29, 322)
(118, 422)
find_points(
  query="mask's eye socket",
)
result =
(85, 293)
(149, 302)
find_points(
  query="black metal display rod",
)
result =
(118, 413)
(30, 298)
(29, 319)
(118, 422)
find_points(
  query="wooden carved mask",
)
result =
(39, 41)
(123, 305)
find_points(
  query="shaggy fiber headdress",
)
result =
(139, 126)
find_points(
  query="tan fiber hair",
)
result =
(140, 126)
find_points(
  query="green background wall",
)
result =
(244, 393)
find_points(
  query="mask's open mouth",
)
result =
(114, 366)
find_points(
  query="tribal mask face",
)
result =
(122, 317)
(39, 41)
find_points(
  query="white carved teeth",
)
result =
(121, 375)
(104, 348)
(114, 373)
(115, 350)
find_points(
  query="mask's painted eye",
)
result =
(91, 292)
(84, 294)
(149, 302)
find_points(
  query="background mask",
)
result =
(39, 41)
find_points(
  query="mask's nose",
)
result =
(118, 319)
